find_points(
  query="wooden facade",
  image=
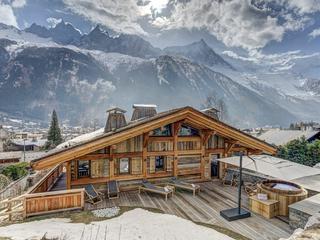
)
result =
(180, 143)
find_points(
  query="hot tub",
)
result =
(284, 192)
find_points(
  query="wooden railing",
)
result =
(38, 200)
(46, 183)
(11, 207)
(51, 202)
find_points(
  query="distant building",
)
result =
(25, 144)
(282, 137)
(7, 158)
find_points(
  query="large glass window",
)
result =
(159, 163)
(188, 131)
(163, 131)
(83, 168)
(124, 166)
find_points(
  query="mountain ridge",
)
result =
(119, 72)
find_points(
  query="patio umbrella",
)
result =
(273, 167)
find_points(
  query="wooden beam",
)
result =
(215, 150)
(176, 127)
(68, 168)
(230, 145)
(144, 154)
(161, 153)
(204, 135)
(111, 162)
(159, 139)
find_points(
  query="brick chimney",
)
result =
(212, 112)
(143, 111)
(116, 119)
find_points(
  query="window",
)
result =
(163, 131)
(188, 131)
(159, 163)
(83, 168)
(124, 166)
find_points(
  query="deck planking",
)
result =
(204, 208)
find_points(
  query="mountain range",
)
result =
(80, 75)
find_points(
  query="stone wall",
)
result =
(297, 218)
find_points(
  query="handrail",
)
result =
(61, 192)
(45, 177)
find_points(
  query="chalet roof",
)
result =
(282, 137)
(97, 141)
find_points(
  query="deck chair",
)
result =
(229, 178)
(177, 183)
(93, 195)
(250, 188)
(113, 189)
(149, 187)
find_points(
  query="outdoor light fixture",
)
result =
(236, 213)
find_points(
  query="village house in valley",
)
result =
(180, 142)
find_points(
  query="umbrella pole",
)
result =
(236, 213)
(239, 185)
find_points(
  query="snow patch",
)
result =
(137, 224)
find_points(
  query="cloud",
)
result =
(120, 15)
(7, 16)
(275, 62)
(315, 33)
(249, 24)
(52, 22)
(18, 3)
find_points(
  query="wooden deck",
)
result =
(60, 184)
(205, 208)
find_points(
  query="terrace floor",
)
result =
(204, 208)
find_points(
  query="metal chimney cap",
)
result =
(144, 106)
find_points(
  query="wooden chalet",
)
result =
(182, 142)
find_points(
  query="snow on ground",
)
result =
(137, 224)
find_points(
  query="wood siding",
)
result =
(50, 202)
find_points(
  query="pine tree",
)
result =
(54, 134)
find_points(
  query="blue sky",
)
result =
(268, 26)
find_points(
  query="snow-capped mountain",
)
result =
(62, 33)
(82, 76)
(199, 52)
(131, 45)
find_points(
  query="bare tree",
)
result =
(212, 101)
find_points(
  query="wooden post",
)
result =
(111, 162)
(144, 154)
(176, 128)
(68, 167)
(24, 213)
(204, 137)
(9, 210)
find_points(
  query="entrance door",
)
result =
(215, 165)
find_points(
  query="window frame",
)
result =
(129, 166)
(89, 169)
